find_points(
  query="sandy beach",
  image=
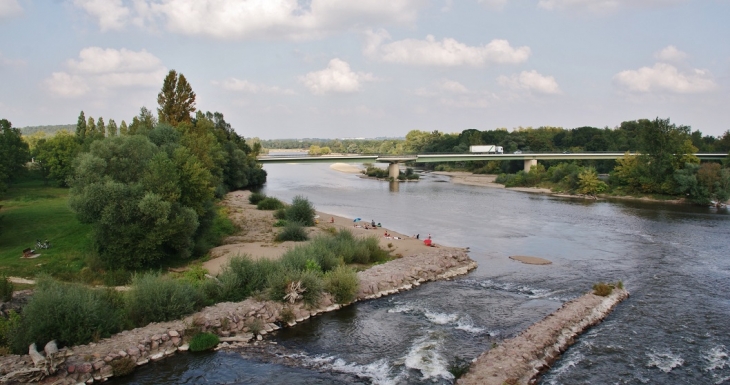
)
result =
(256, 237)
(485, 180)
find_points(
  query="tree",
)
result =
(589, 184)
(123, 130)
(134, 126)
(100, 128)
(14, 153)
(142, 202)
(665, 148)
(56, 156)
(176, 100)
(112, 128)
(81, 128)
(91, 128)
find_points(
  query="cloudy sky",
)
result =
(368, 68)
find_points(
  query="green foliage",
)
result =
(154, 298)
(376, 172)
(602, 289)
(69, 313)
(589, 183)
(280, 214)
(256, 197)
(14, 153)
(244, 276)
(301, 210)
(269, 203)
(6, 289)
(287, 314)
(8, 327)
(292, 231)
(123, 366)
(311, 281)
(255, 326)
(176, 99)
(203, 341)
(342, 283)
(55, 157)
(703, 184)
(280, 223)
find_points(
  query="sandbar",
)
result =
(530, 260)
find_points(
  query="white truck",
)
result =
(488, 148)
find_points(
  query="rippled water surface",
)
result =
(674, 260)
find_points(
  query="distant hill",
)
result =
(30, 130)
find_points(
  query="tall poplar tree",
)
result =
(81, 127)
(101, 127)
(91, 127)
(111, 129)
(176, 100)
(123, 130)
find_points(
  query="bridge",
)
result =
(530, 159)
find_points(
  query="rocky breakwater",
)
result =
(521, 359)
(236, 323)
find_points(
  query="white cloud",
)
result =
(255, 19)
(336, 78)
(9, 63)
(493, 3)
(110, 14)
(530, 81)
(602, 6)
(103, 69)
(670, 53)
(10, 8)
(233, 84)
(453, 87)
(665, 77)
(446, 53)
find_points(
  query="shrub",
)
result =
(602, 289)
(8, 327)
(155, 298)
(342, 283)
(203, 341)
(293, 231)
(6, 289)
(301, 210)
(244, 276)
(256, 326)
(287, 314)
(72, 314)
(123, 366)
(117, 277)
(269, 203)
(195, 274)
(311, 282)
(620, 285)
(256, 197)
(280, 213)
(280, 223)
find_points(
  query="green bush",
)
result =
(8, 326)
(458, 367)
(255, 326)
(155, 298)
(602, 289)
(203, 341)
(244, 276)
(269, 203)
(280, 223)
(71, 314)
(312, 282)
(293, 231)
(376, 172)
(6, 289)
(301, 210)
(280, 213)
(255, 198)
(116, 277)
(342, 283)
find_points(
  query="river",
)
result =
(674, 259)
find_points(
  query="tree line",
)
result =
(147, 188)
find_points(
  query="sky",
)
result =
(371, 68)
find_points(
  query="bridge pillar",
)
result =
(393, 170)
(529, 163)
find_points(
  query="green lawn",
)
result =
(33, 211)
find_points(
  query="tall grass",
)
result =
(269, 203)
(72, 314)
(292, 231)
(244, 276)
(342, 283)
(301, 210)
(255, 198)
(311, 281)
(155, 298)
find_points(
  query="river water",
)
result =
(674, 259)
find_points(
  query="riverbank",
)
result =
(486, 180)
(242, 322)
(521, 359)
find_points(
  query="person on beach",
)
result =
(332, 219)
(372, 223)
(429, 236)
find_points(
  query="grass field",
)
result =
(34, 211)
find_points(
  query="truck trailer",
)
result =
(487, 149)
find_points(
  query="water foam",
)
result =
(664, 361)
(425, 357)
(378, 372)
(717, 358)
(460, 321)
